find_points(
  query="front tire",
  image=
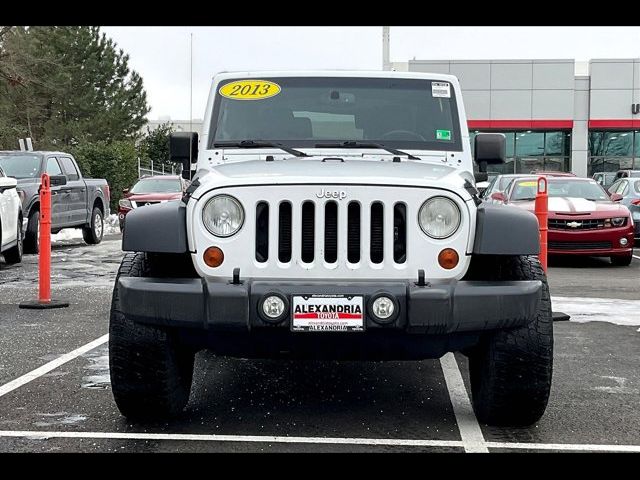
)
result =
(94, 232)
(14, 254)
(511, 370)
(151, 373)
(621, 261)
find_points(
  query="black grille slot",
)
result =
(400, 233)
(377, 232)
(353, 232)
(590, 224)
(579, 245)
(308, 231)
(284, 233)
(262, 231)
(331, 232)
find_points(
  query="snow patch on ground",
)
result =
(611, 310)
(111, 227)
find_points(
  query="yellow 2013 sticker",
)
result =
(528, 184)
(250, 90)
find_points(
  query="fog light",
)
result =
(273, 307)
(383, 307)
(448, 258)
(213, 257)
(623, 241)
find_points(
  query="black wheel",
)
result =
(151, 372)
(14, 254)
(31, 244)
(620, 261)
(94, 232)
(510, 371)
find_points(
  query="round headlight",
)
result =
(223, 215)
(618, 222)
(439, 217)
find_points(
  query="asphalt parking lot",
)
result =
(55, 393)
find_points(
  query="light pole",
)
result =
(386, 63)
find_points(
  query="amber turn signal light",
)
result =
(448, 258)
(213, 257)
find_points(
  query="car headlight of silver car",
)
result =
(223, 215)
(439, 217)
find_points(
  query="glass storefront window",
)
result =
(556, 143)
(529, 144)
(534, 150)
(611, 144)
(610, 151)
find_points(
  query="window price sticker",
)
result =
(441, 89)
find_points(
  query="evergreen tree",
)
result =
(64, 86)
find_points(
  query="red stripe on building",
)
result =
(341, 316)
(520, 124)
(622, 124)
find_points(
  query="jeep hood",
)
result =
(332, 171)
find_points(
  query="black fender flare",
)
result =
(505, 230)
(159, 228)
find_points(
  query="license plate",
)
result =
(328, 313)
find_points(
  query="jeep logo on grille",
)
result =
(339, 194)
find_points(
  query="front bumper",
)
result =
(437, 308)
(594, 243)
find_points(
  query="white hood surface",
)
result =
(329, 170)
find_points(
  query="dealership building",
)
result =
(554, 117)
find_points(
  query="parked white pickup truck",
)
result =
(333, 215)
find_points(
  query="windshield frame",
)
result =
(455, 146)
(39, 156)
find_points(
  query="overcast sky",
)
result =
(161, 54)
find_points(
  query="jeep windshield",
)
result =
(309, 112)
(20, 165)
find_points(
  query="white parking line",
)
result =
(233, 438)
(52, 365)
(193, 437)
(566, 447)
(636, 256)
(470, 431)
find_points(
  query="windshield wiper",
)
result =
(260, 144)
(355, 144)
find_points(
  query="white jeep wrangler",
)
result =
(333, 215)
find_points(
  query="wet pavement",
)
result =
(241, 405)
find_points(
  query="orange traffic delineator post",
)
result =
(44, 260)
(542, 212)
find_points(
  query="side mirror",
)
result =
(7, 183)
(481, 176)
(489, 149)
(183, 149)
(616, 197)
(57, 180)
(125, 191)
(499, 196)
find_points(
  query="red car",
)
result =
(150, 190)
(583, 219)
